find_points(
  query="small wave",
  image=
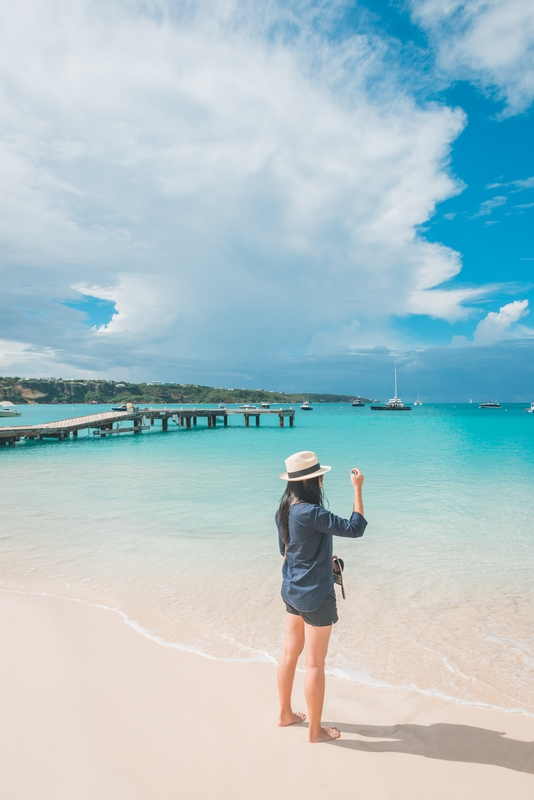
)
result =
(262, 656)
(256, 656)
(367, 680)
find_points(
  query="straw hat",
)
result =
(303, 465)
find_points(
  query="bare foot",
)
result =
(324, 735)
(290, 719)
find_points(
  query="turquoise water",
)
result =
(176, 530)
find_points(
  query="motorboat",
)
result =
(124, 407)
(247, 406)
(531, 409)
(357, 403)
(8, 409)
(395, 403)
(306, 406)
(489, 405)
(265, 404)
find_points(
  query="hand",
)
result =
(356, 478)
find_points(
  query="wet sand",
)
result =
(90, 708)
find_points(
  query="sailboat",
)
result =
(418, 401)
(395, 403)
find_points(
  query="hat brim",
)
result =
(285, 477)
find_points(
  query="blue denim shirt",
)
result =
(307, 572)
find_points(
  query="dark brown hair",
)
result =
(309, 491)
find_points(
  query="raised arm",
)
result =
(337, 526)
(357, 479)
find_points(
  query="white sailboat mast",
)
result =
(395, 380)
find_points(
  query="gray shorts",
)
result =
(325, 615)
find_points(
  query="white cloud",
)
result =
(502, 324)
(136, 298)
(489, 205)
(21, 358)
(528, 183)
(490, 42)
(520, 185)
(232, 190)
(347, 339)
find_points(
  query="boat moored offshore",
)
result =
(395, 403)
(8, 409)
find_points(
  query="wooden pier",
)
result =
(109, 423)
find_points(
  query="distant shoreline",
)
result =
(58, 391)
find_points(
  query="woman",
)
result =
(305, 530)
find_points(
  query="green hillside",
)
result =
(57, 390)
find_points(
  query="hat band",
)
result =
(302, 472)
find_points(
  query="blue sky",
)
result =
(286, 195)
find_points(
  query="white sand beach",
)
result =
(90, 708)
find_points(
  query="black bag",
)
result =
(338, 565)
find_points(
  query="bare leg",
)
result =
(317, 640)
(293, 646)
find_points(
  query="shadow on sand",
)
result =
(443, 741)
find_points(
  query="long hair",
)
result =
(309, 491)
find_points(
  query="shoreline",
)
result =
(267, 658)
(103, 712)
